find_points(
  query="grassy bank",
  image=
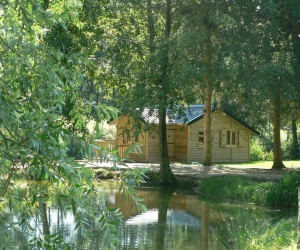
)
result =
(261, 164)
(242, 189)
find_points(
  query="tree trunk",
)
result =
(45, 223)
(166, 175)
(295, 146)
(207, 161)
(298, 224)
(208, 80)
(277, 161)
(151, 29)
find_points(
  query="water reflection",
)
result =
(174, 220)
(164, 196)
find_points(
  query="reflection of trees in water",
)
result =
(170, 229)
(204, 226)
(47, 227)
(158, 235)
(171, 223)
(165, 195)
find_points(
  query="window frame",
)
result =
(229, 138)
(201, 137)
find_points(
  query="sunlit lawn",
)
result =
(260, 164)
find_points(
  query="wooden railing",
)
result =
(110, 145)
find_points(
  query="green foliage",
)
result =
(285, 193)
(242, 189)
(43, 115)
(258, 151)
(289, 152)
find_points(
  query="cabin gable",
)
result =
(230, 140)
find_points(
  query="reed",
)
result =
(257, 234)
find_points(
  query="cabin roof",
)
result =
(186, 115)
(182, 115)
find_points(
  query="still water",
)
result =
(175, 219)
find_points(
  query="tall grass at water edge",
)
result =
(248, 232)
(257, 234)
(282, 194)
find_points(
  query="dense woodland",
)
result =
(63, 63)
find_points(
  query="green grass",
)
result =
(260, 164)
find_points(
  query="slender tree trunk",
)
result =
(294, 27)
(295, 145)
(298, 224)
(166, 175)
(207, 161)
(44, 219)
(208, 80)
(277, 161)
(151, 29)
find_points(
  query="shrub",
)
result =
(258, 151)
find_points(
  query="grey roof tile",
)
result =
(181, 116)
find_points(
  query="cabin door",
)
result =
(170, 140)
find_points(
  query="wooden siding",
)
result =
(153, 144)
(181, 143)
(220, 152)
(153, 147)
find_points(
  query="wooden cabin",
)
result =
(230, 136)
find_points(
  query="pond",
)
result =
(173, 220)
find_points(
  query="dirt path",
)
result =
(199, 172)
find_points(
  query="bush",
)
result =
(258, 151)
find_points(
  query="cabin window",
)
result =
(201, 137)
(228, 137)
(231, 138)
